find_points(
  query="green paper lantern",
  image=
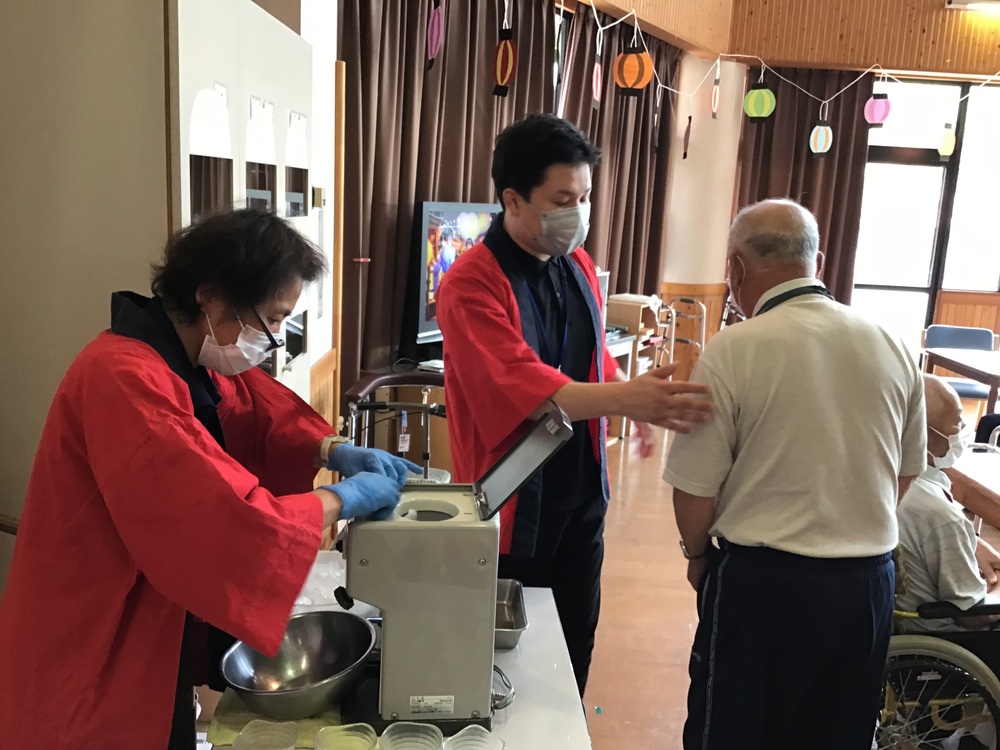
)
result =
(759, 103)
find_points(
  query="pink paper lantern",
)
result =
(877, 110)
(435, 31)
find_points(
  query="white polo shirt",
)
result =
(938, 552)
(818, 411)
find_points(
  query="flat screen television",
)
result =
(447, 231)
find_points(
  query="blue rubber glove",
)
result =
(349, 460)
(366, 494)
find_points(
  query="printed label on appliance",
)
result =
(404, 442)
(432, 704)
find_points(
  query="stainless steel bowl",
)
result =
(320, 659)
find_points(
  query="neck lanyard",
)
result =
(772, 303)
(543, 333)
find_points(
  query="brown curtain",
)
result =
(775, 162)
(416, 134)
(628, 220)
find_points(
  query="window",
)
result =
(211, 186)
(898, 224)
(973, 257)
(261, 179)
(926, 221)
(296, 187)
(919, 112)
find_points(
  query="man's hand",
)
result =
(677, 406)
(696, 570)
(989, 562)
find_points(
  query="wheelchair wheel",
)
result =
(937, 694)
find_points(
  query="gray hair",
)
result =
(776, 232)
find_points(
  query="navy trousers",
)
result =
(569, 555)
(789, 652)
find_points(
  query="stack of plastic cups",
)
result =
(410, 736)
(350, 737)
(474, 738)
(267, 735)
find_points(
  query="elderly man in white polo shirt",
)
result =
(943, 558)
(819, 429)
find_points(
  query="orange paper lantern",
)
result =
(504, 62)
(633, 70)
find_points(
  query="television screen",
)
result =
(447, 231)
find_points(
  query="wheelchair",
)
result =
(940, 690)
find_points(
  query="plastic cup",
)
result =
(474, 738)
(406, 735)
(267, 735)
(350, 737)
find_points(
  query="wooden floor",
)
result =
(638, 682)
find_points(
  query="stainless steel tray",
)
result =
(511, 618)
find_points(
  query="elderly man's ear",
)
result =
(820, 265)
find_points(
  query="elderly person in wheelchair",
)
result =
(941, 687)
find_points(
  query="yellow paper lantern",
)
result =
(948, 142)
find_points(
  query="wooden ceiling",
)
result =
(901, 35)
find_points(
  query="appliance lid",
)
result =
(527, 456)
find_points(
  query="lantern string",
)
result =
(992, 79)
(506, 14)
(637, 34)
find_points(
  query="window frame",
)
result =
(911, 156)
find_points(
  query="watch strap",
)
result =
(326, 446)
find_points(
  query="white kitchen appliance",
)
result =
(432, 570)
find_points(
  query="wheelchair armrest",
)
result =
(946, 610)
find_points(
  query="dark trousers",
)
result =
(789, 652)
(568, 559)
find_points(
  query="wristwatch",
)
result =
(688, 555)
(326, 446)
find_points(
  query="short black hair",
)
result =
(526, 149)
(248, 257)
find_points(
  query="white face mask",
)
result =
(956, 447)
(250, 349)
(564, 229)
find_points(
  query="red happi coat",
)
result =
(494, 379)
(135, 515)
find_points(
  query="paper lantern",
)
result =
(877, 110)
(948, 143)
(504, 62)
(821, 139)
(687, 137)
(759, 103)
(597, 82)
(715, 90)
(435, 31)
(633, 70)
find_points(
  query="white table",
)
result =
(547, 713)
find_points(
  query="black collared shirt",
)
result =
(573, 476)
